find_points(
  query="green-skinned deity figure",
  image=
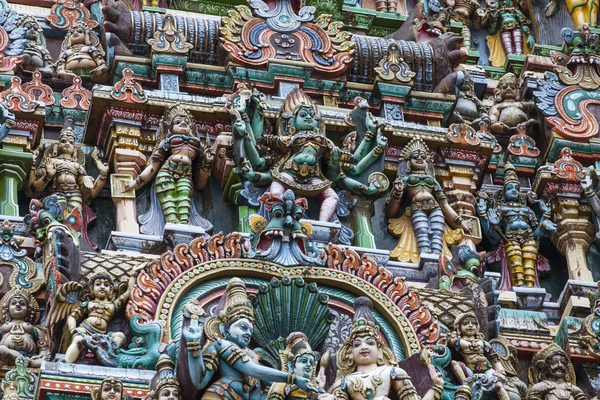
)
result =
(178, 165)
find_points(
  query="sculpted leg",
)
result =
(517, 38)
(529, 258)
(74, 349)
(507, 43)
(166, 192)
(420, 224)
(184, 199)
(437, 223)
(514, 256)
(329, 202)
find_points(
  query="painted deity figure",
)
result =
(589, 184)
(110, 389)
(299, 359)
(63, 169)
(368, 369)
(581, 12)
(308, 162)
(509, 110)
(464, 11)
(509, 220)
(469, 109)
(553, 376)
(82, 55)
(165, 384)
(29, 41)
(226, 356)
(93, 316)
(18, 334)
(180, 164)
(477, 355)
(429, 209)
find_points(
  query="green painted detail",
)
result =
(208, 78)
(348, 95)
(494, 72)
(544, 50)
(62, 396)
(428, 105)
(393, 90)
(577, 147)
(473, 57)
(324, 85)
(230, 187)
(514, 63)
(268, 76)
(138, 70)
(170, 60)
(78, 115)
(14, 166)
(207, 288)
(206, 6)
(154, 9)
(568, 324)
(331, 7)
(81, 380)
(243, 213)
(364, 233)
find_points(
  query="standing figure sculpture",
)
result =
(510, 221)
(82, 55)
(429, 209)
(477, 355)
(226, 355)
(180, 164)
(368, 369)
(19, 337)
(553, 376)
(63, 166)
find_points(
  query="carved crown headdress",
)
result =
(237, 305)
(539, 367)
(68, 129)
(412, 146)
(510, 174)
(294, 100)
(297, 345)
(363, 323)
(96, 393)
(166, 122)
(33, 309)
(165, 376)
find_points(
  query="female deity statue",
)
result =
(19, 337)
(509, 220)
(298, 358)
(110, 389)
(368, 369)
(28, 40)
(180, 164)
(63, 166)
(82, 55)
(301, 149)
(429, 209)
(226, 353)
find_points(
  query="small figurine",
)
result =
(469, 109)
(110, 389)
(429, 209)
(29, 42)
(299, 359)
(368, 369)
(93, 314)
(509, 110)
(553, 376)
(180, 164)
(165, 385)
(19, 313)
(226, 353)
(477, 354)
(509, 220)
(82, 55)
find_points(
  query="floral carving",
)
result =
(16, 98)
(463, 134)
(128, 90)
(393, 68)
(9, 63)
(65, 13)
(39, 91)
(169, 39)
(76, 96)
(523, 145)
(566, 167)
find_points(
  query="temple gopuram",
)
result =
(299, 199)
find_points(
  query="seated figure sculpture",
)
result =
(28, 41)
(225, 355)
(368, 369)
(82, 55)
(180, 164)
(509, 110)
(19, 336)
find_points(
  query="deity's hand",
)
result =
(493, 217)
(50, 168)
(398, 187)
(335, 154)
(88, 182)
(436, 377)
(129, 184)
(381, 140)
(587, 182)
(102, 167)
(466, 226)
(548, 225)
(209, 156)
(246, 169)
(79, 330)
(192, 332)
(239, 126)
(305, 385)
(321, 379)
(258, 98)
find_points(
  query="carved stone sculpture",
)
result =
(29, 41)
(180, 164)
(225, 354)
(82, 55)
(469, 109)
(110, 389)
(165, 386)
(508, 220)
(429, 209)
(509, 110)
(553, 376)
(20, 312)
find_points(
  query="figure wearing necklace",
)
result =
(367, 368)
(509, 220)
(429, 208)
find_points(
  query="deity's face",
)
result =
(418, 160)
(511, 191)
(509, 89)
(111, 391)
(77, 36)
(305, 119)
(469, 327)
(304, 365)
(467, 85)
(558, 365)
(17, 307)
(365, 350)
(240, 332)
(66, 145)
(102, 289)
(32, 31)
(169, 393)
(182, 125)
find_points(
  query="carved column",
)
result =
(128, 161)
(15, 163)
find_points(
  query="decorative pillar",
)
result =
(14, 167)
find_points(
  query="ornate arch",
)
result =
(163, 283)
